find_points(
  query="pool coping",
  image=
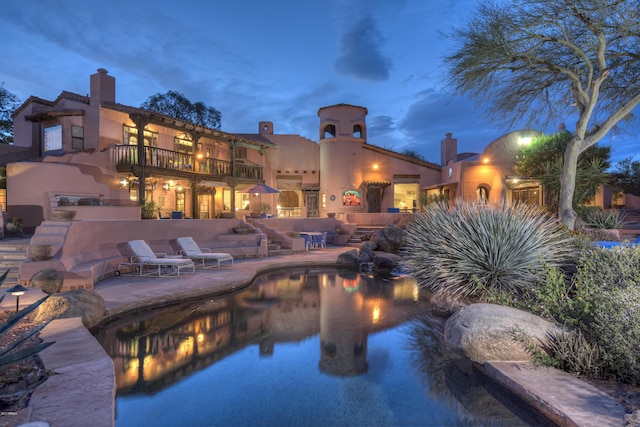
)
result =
(564, 399)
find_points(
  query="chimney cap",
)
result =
(102, 71)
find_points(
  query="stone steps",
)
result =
(12, 253)
(360, 232)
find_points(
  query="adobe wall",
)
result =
(86, 252)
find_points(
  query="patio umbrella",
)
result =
(261, 189)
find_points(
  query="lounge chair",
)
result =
(190, 249)
(145, 257)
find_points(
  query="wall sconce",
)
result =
(124, 183)
(485, 160)
(178, 187)
(375, 166)
(165, 186)
(16, 291)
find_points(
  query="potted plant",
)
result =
(149, 210)
(14, 225)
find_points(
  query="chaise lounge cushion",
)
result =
(191, 250)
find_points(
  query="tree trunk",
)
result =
(566, 214)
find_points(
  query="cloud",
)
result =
(360, 54)
(380, 125)
(436, 113)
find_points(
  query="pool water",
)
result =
(300, 347)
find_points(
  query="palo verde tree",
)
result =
(542, 60)
(8, 103)
(175, 104)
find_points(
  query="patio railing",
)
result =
(127, 155)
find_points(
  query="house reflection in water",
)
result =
(154, 349)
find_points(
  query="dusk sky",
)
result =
(261, 60)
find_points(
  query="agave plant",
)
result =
(472, 249)
(11, 353)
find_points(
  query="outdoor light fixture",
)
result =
(124, 183)
(524, 140)
(16, 291)
(485, 160)
(375, 166)
(165, 187)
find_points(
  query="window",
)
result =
(53, 138)
(526, 195)
(183, 145)
(77, 138)
(329, 131)
(131, 136)
(351, 198)
(482, 194)
(405, 196)
(180, 201)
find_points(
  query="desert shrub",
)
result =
(472, 249)
(573, 353)
(607, 307)
(550, 296)
(584, 211)
(608, 219)
(596, 234)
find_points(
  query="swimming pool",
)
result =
(300, 347)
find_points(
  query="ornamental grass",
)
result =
(471, 250)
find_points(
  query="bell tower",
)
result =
(343, 131)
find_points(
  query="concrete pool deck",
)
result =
(82, 391)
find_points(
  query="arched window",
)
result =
(329, 131)
(482, 194)
(357, 131)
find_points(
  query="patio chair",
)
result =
(145, 257)
(308, 241)
(176, 215)
(190, 249)
(320, 240)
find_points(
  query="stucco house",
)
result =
(106, 159)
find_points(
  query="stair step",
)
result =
(277, 252)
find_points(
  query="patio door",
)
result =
(204, 206)
(311, 201)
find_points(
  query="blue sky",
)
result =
(262, 60)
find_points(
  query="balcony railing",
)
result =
(127, 155)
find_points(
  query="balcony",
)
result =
(159, 160)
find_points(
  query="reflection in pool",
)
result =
(300, 347)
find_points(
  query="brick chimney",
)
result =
(448, 149)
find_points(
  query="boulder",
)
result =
(365, 250)
(483, 332)
(385, 261)
(368, 245)
(389, 239)
(49, 280)
(348, 258)
(364, 258)
(444, 304)
(80, 302)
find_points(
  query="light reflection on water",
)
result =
(300, 347)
